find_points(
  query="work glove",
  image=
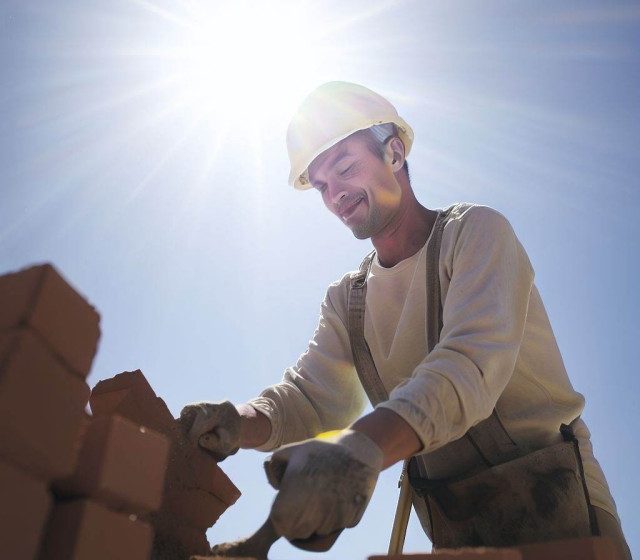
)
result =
(215, 427)
(324, 483)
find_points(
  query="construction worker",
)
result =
(443, 328)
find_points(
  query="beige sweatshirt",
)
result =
(496, 349)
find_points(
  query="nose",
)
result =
(336, 193)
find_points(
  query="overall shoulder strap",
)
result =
(362, 359)
(434, 300)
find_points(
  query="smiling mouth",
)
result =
(348, 211)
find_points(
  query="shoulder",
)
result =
(338, 291)
(337, 294)
(466, 218)
(473, 232)
(342, 284)
(464, 212)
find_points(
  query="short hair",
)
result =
(377, 137)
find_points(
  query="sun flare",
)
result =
(241, 61)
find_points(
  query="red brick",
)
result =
(24, 508)
(458, 554)
(193, 478)
(83, 530)
(194, 506)
(130, 395)
(121, 465)
(194, 468)
(6, 344)
(223, 488)
(175, 541)
(41, 407)
(125, 380)
(106, 403)
(592, 548)
(39, 298)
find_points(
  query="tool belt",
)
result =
(539, 496)
(499, 494)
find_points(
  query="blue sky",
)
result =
(142, 152)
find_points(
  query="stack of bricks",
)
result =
(76, 486)
(591, 548)
(48, 338)
(196, 490)
(118, 480)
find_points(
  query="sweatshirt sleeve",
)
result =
(484, 311)
(322, 391)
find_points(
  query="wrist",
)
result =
(255, 427)
(359, 444)
(391, 433)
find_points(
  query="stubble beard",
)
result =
(369, 226)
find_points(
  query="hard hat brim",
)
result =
(405, 132)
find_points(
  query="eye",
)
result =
(346, 170)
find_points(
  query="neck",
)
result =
(406, 236)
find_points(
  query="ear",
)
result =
(394, 154)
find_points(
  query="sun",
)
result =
(241, 62)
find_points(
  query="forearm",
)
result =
(395, 437)
(255, 427)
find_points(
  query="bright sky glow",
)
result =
(221, 61)
(142, 151)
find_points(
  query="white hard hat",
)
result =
(329, 114)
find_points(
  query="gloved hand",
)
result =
(215, 427)
(324, 483)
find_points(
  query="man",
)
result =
(486, 386)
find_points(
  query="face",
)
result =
(357, 186)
